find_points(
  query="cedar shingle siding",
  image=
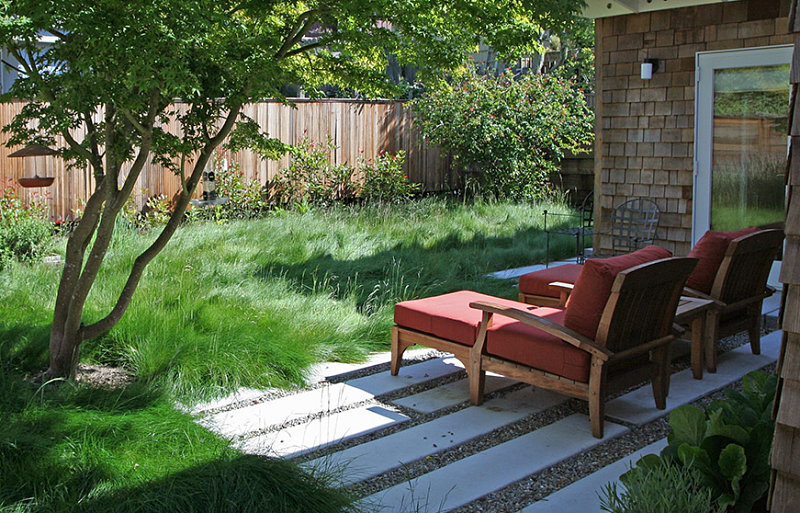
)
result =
(785, 492)
(645, 129)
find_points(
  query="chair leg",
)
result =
(597, 388)
(661, 376)
(712, 330)
(398, 348)
(754, 327)
(477, 381)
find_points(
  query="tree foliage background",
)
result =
(122, 70)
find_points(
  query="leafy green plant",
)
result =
(385, 180)
(662, 488)
(728, 443)
(247, 199)
(311, 177)
(26, 234)
(511, 132)
(156, 211)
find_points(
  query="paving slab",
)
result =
(384, 382)
(240, 395)
(581, 496)
(450, 394)
(322, 371)
(637, 407)
(382, 455)
(321, 432)
(327, 398)
(493, 469)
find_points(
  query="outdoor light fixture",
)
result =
(649, 66)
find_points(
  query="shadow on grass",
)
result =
(73, 448)
(236, 484)
(409, 271)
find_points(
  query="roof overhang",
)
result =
(606, 8)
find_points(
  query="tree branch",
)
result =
(298, 30)
(141, 262)
(304, 49)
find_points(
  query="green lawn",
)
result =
(251, 303)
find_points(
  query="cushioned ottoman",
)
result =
(534, 288)
(447, 323)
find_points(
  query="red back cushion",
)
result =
(593, 287)
(710, 250)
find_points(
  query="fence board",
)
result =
(359, 128)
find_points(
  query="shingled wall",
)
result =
(785, 490)
(645, 128)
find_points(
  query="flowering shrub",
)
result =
(246, 198)
(156, 211)
(513, 132)
(385, 180)
(26, 234)
(312, 178)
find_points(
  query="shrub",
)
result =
(728, 444)
(312, 178)
(247, 199)
(513, 132)
(26, 234)
(156, 211)
(385, 180)
(664, 488)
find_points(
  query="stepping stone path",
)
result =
(376, 433)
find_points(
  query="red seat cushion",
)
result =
(593, 287)
(710, 250)
(449, 316)
(538, 282)
(535, 348)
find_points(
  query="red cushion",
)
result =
(525, 344)
(710, 250)
(449, 316)
(537, 282)
(590, 294)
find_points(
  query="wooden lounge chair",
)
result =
(738, 290)
(732, 272)
(610, 328)
(636, 321)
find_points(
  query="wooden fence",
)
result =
(360, 129)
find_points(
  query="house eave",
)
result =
(605, 8)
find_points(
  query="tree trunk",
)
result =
(64, 353)
(80, 272)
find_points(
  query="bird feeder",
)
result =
(209, 190)
(35, 150)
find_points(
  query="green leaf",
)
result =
(718, 427)
(688, 426)
(733, 462)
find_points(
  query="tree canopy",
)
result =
(115, 74)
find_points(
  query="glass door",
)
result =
(742, 105)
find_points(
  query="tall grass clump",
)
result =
(255, 303)
(87, 450)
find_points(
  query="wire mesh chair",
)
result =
(633, 225)
(583, 228)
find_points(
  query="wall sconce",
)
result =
(649, 66)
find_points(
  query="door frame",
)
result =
(705, 64)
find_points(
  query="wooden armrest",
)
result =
(769, 291)
(564, 290)
(690, 294)
(678, 330)
(567, 335)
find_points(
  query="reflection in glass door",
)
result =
(742, 107)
